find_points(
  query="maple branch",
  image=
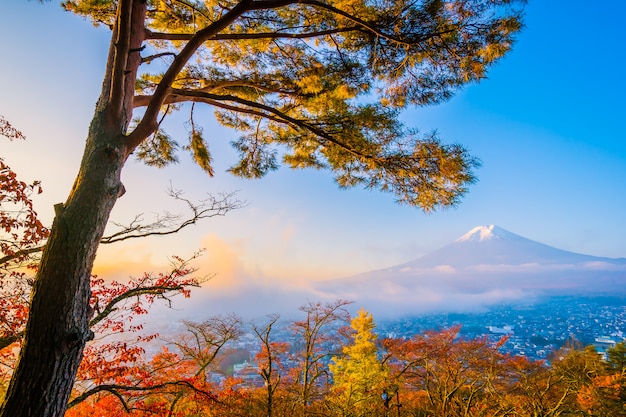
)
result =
(117, 390)
(7, 130)
(20, 253)
(9, 340)
(157, 290)
(136, 292)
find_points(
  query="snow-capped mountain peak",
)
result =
(487, 265)
(484, 233)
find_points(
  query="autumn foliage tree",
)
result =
(109, 361)
(319, 83)
(21, 232)
(604, 393)
(442, 373)
(437, 373)
(113, 363)
(317, 340)
(270, 361)
(201, 347)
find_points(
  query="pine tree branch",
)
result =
(250, 36)
(369, 27)
(258, 109)
(149, 122)
(151, 58)
(143, 100)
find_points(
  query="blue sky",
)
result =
(548, 125)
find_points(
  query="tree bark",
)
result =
(57, 328)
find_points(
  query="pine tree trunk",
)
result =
(57, 328)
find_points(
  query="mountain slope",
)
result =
(492, 245)
(484, 266)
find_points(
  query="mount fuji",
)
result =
(485, 266)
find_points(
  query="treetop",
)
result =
(318, 84)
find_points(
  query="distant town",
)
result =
(533, 329)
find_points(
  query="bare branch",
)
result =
(204, 341)
(169, 224)
(163, 225)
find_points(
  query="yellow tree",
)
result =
(359, 377)
(318, 82)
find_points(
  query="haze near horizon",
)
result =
(484, 267)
